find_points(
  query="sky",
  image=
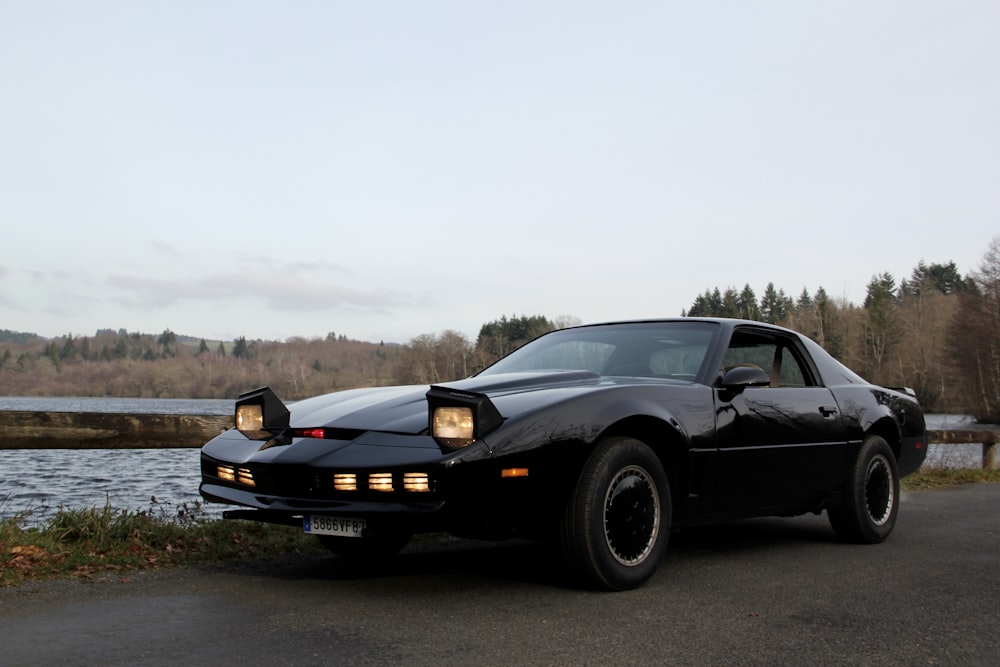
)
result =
(388, 169)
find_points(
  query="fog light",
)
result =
(244, 476)
(346, 481)
(227, 473)
(380, 481)
(416, 481)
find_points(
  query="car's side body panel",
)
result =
(779, 448)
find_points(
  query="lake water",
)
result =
(39, 481)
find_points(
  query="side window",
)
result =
(771, 353)
(791, 374)
(750, 349)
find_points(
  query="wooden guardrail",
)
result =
(107, 430)
(985, 437)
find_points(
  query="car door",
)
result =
(780, 445)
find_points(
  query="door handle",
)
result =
(827, 411)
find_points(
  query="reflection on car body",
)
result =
(599, 439)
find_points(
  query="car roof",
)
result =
(726, 322)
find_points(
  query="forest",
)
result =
(936, 331)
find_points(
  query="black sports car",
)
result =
(597, 438)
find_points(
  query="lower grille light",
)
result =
(307, 482)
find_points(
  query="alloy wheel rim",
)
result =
(631, 515)
(879, 492)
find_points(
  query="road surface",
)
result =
(761, 592)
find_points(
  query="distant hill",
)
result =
(18, 337)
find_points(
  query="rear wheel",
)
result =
(871, 498)
(616, 525)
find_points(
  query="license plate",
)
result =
(318, 524)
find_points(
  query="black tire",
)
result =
(377, 546)
(616, 525)
(868, 511)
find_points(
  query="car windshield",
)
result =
(674, 349)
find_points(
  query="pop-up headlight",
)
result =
(454, 423)
(260, 414)
(250, 417)
(458, 418)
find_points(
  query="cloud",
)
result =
(164, 248)
(7, 302)
(309, 287)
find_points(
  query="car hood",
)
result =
(404, 409)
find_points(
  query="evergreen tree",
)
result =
(730, 303)
(69, 351)
(168, 344)
(774, 305)
(52, 352)
(881, 329)
(715, 305)
(944, 278)
(805, 301)
(747, 303)
(502, 336)
(700, 307)
(241, 349)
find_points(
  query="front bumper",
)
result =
(218, 493)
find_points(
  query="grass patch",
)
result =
(85, 542)
(941, 478)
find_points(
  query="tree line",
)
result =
(166, 365)
(936, 331)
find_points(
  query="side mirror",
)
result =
(739, 378)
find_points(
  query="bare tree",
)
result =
(974, 340)
(452, 355)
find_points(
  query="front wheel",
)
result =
(615, 528)
(871, 497)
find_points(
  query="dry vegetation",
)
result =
(123, 364)
(141, 366)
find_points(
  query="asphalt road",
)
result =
(762, 592)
